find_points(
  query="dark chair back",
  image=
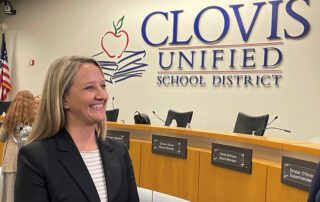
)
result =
(4, 107)
(112, 115)
(246, 124)
(182, 118)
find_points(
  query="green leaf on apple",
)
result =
(119, 25)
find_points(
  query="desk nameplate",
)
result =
(297, 173)
(120, 136)
(236, 158)
(169, 146)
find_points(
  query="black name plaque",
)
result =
(297, 173)
(236, 158)
(120, 136)
(169, 146)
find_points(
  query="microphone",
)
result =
(158, 116)
(112, 102)
(264, 127)
(288, 131)
(275, 118)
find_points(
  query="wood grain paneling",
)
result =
(135, 152)
(276, 143)
(226, 185)
(173, 176)
(276, 191)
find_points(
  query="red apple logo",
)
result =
(115, 43)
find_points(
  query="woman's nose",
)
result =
(102, 94)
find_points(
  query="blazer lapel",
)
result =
(112, 169)
(70, 158)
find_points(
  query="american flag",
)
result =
(5, 85)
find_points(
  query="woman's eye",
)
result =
(89, 87)
(103, 85)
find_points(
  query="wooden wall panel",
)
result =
(195, 179)
(225, 185)
(135, 152)
(276, 191)
(173, 176)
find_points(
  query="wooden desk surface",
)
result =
(275, 143)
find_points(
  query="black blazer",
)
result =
(314, 193)
(53, 170)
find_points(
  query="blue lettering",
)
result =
(185, 82)
(265, 63)
(263, 80)
(174, 80)
(225, 29)
(215, 58)
(247, 79)
(164, 82)
(175, 29)
(274, 19)
(202, 59)
(214, 82)
(232, 58)
(238, 77)
(246, 57)
(202, 82)
(159, 82)
(229, 82)
(245, 35)
(160, 60)
(299, 18)
(144, 25)
(194, 80)
(182, 55)
(276, 79)
(257, 80)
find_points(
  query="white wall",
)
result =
(44, 30)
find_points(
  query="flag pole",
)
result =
(4, 28)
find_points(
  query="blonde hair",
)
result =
(22, 110)
(51, 116)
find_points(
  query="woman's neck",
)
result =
(84, 137)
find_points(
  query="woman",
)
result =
(68, 157)
(20, 112)
(37, 100)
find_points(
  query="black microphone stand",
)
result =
(113, 103)
(158, 116)
(264, 127)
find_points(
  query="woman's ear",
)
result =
(65, 103)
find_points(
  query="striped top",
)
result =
(92, 159)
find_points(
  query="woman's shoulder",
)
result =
(3, 134)
(3, 131)
(38, 147)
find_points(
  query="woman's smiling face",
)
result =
(85, 102)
